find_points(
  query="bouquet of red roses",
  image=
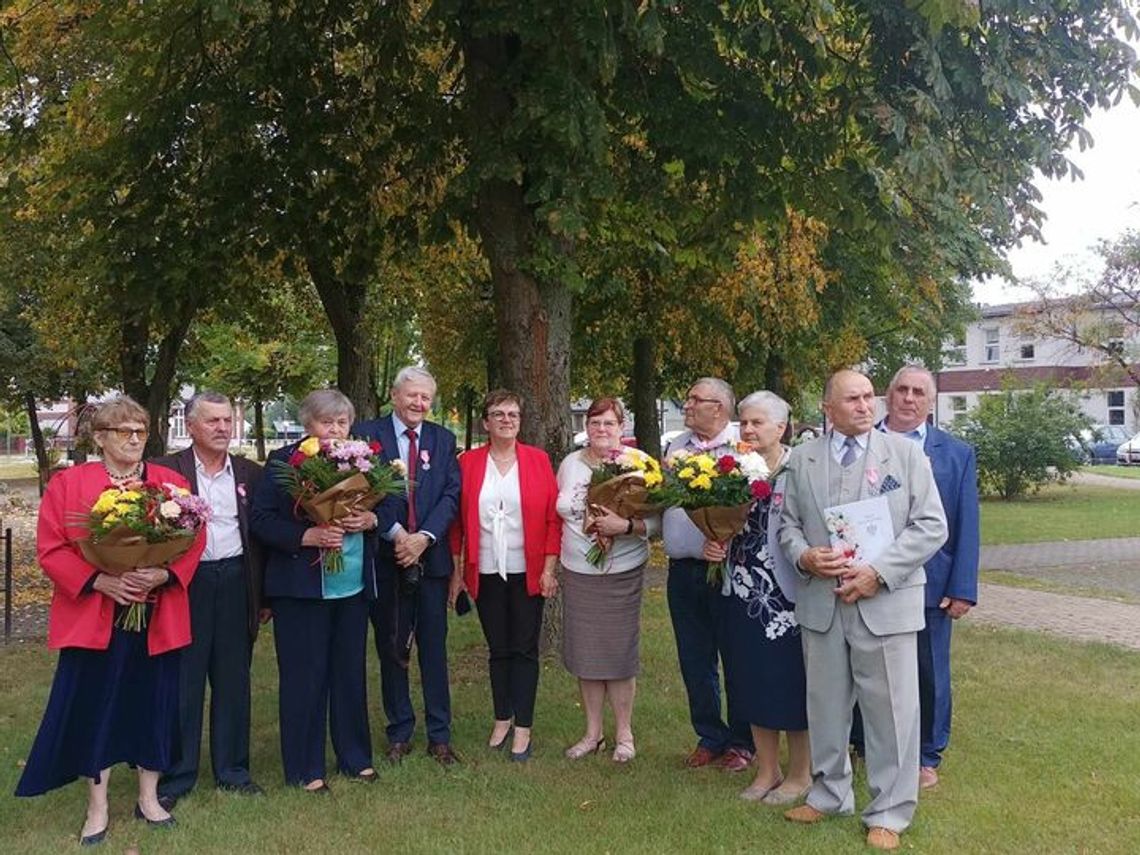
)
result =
(331, 479)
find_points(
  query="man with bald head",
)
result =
(860, 622)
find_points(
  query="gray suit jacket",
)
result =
(896, 468)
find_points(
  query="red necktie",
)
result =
(413, 453)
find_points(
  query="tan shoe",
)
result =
(882, 838)
(805, 814)
(927, 777)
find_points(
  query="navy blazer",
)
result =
(436, 490)
(293, 570)
(953, 571)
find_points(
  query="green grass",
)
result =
(17, 466)
(1043, 759)
(1130, 472)
(1062, 512)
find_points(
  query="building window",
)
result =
(955, 353)
(993, 344)
(957, 405)
(1116, 407)
(1025, 352)
(178, 422)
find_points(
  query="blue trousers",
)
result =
(934, 684)
(427, 611)
(220, 652)
(696, 609)
(321, 648)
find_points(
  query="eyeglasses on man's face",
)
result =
(504, 415)
(697, 399)
(125, 433)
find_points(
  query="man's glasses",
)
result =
(126, 433)
(697, 399)
(503, 416)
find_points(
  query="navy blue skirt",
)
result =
(118, 705)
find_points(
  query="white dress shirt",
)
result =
(223, 533)
(839, 447)
(500, 522)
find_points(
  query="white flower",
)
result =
(170, 509)
(754, 466)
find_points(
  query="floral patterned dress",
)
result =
(763, 656)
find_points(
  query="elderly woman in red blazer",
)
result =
(114, 698)
(506, 541)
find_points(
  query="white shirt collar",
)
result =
(918, 434)
(838, 439)
(200, 467)
(401, 428)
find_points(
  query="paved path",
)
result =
(1096, 479)
(1067, 552)
(1079, 618)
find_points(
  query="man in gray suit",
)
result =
(860, 622)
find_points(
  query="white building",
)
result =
(995, 351)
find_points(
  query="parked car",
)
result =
(1099, 444)
(1129, 452)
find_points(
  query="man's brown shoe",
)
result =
(927, 777)
(701, 756)
(805, 814)
(397, 751)
(882, 838)
(735, 760)
(442, 753)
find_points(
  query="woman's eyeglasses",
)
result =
(503, 416)
(126, 433)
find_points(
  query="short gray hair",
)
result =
(723, 391)
(931, 390)
(413, 372)
(774, 407)
(324, 402)
(203, 397)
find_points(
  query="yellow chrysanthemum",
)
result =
(130, 496)
(105, 502)
(686, 473)
(652, 479)
(701, 482)
(111, 519)
(705, 463)
(310, 446)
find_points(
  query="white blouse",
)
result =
(500, 522)
(627, 552)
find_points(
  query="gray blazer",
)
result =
(901, 473)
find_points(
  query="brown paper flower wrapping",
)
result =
(720, 523)
(121, 550)
(625, 495)
(342, 499)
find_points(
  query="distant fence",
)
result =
(7, 584)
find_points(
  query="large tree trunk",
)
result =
(355, 348)
(259, 427)
(43, 461)
(643, 392)
(152, 389)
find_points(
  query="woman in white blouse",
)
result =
(506, 540)
(601, 604)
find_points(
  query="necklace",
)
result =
(134, 474)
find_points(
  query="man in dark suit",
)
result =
(414, 565)
(225, 605)
(952, 574)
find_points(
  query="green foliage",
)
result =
(1022, 438)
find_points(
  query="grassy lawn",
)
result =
(1062, 512)
(1131, 472)
(17, 466)
(1043, 760)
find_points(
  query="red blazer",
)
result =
(542, 527)
(79, 619)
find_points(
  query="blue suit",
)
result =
(952, 572)
(321, 643)
(394, 615)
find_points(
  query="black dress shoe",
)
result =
(442, 753)
(397, 751)
(169, 822)
(93, 839)
(249, 788)
(167, 803)
(369, 777)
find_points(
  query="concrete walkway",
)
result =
(1098, 480)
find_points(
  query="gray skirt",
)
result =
(601, 624)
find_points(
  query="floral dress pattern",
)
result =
(752, 580)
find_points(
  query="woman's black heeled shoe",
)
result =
(522, 756)
(93, 839)
(502, 743)
(169, 822)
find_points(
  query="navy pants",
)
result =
(426, 612)
(220, 652)
(321, 648)
(934, 685)
(696, 609)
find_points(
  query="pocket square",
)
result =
(889, 483)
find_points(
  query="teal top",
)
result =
(349, 581)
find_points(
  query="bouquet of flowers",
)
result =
(716, 493)
(620, 484)
(331, 479)
(141, 525)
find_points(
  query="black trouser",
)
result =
(220, 651)
(512, 622)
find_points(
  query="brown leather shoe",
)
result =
(882, 838)
(804, 814)
(927, 777)
(735, 760)
(397, 751)
(442, 753)
(701, 756)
